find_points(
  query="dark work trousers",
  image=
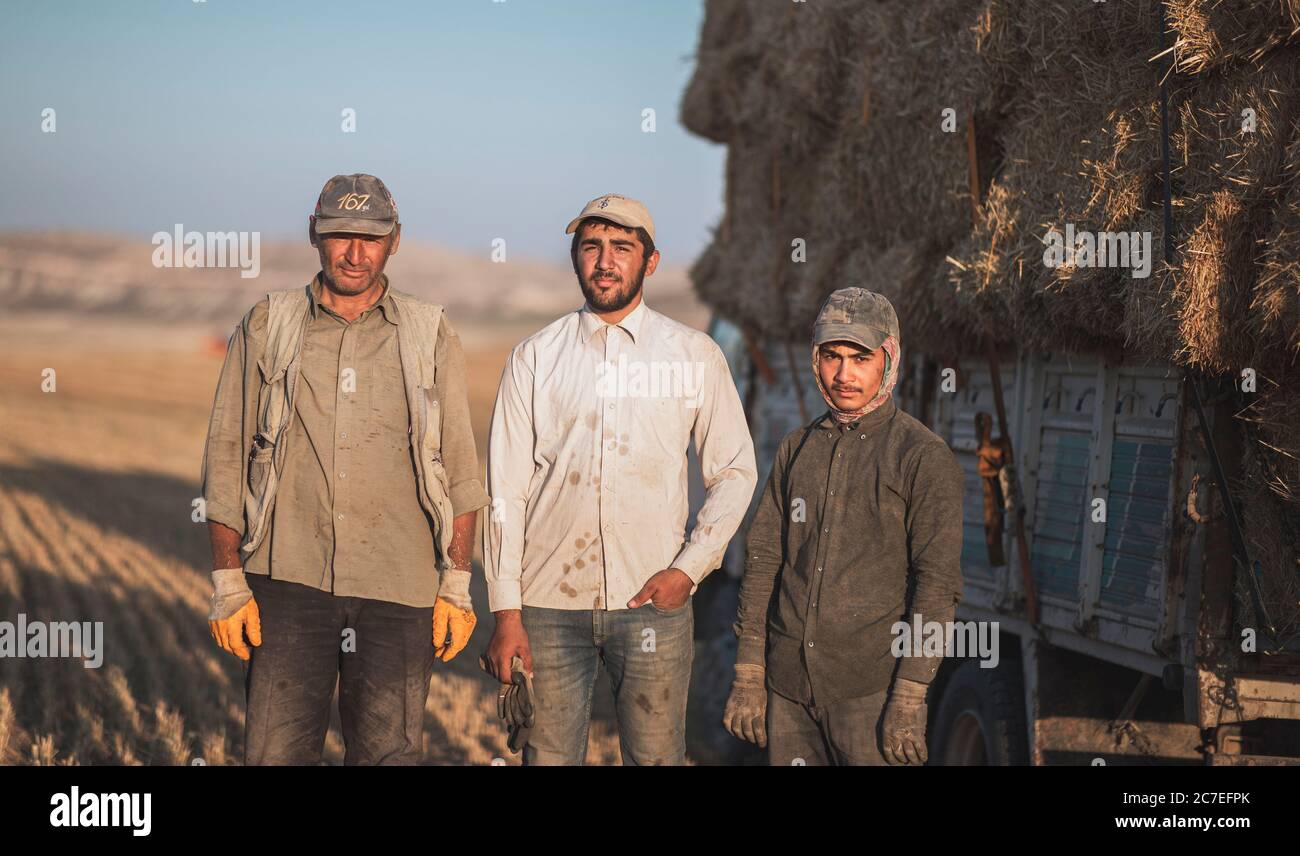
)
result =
(843, 733)
(382, 667)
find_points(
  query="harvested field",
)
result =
(96, 484)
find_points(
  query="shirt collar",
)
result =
(871, 420)
(589, 322)
(385, 302)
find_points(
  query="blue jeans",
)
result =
(648, 654)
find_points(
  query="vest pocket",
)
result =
(433, 416)
(259, 468)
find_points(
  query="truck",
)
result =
(1118, 646)
(1128, 420)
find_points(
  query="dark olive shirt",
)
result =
(858, 527)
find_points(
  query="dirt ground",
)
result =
(96, 484)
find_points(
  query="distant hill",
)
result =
(86, 273)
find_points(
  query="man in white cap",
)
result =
(585, 550)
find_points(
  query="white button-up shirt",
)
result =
(587, 461)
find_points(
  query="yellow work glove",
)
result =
(451, 619)
(234, 613)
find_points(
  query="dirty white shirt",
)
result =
(587, 461)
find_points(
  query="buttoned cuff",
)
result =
(504, 594)
(751, 650)
(919, 669)
(923, 668)
(694, 561)
(467, 496)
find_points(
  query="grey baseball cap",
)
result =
(356, 203)
(856, 315)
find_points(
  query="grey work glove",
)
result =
(515, 703)
(230, 593)
(746, 714)
(453, 587)
(903, 724)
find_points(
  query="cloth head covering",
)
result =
(863, 318)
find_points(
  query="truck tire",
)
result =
(981, 718)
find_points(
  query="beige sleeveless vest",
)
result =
(417, 336)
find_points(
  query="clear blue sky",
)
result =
(486, 119)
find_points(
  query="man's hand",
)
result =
(509, 639)
(451, 619)
(746, 713)
(902, 728)
(229, 632)
(668, 589)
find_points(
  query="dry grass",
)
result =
(96, 481)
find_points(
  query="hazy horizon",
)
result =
(485, 119)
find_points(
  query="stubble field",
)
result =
(97, 480)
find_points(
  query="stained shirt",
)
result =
(347, 516)
(587, 461)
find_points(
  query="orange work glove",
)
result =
(233, 614)
(451, 619)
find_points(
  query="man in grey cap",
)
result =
(344, 400)
(859, 525)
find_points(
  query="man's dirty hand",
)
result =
(668, 589)
(509, 639)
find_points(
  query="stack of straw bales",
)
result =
(832, 113)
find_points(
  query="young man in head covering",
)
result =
(859, 527)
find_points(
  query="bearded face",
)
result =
(611, 264)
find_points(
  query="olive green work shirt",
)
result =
(347, 516)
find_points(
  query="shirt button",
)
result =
(819, 569)
(810, 644)
(832, 493)
(343, 436)
(611, 407)
(864, 436)
(340, 517)
(343, 475)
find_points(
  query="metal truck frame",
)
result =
(1135, 657)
